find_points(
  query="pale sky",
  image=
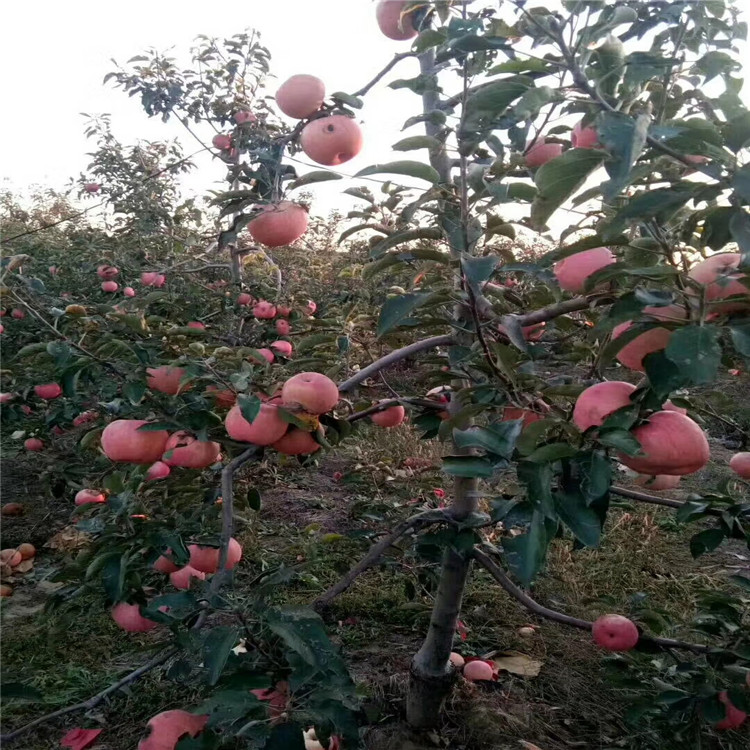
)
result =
(54, 55)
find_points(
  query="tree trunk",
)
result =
(432, 675)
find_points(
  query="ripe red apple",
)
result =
(671, 443)
(185, 450)
(85, 417)
(223, 398)
(167, 379)
(11, 557)
(530, 333)
(84, 497)
(572, 272)
(740, 464)
(17, 313)
(12, 509)
(129, 618)
(163, 564)
(634, 352)
(266, 428)
(615, 633)
(48, 391)
(720, 276)
(310, 392)
(244, 299)
(110, 286)
(657, 483)
(222, 142)
(167, 728)
(107, 273)
(393, 22)
(264, 310)
(5, 397)
(2, 328)
(456, 660)
(282, 347)
(128, 291)
(734, 717)
(282, 326)
(92, 187)
(477, 670)
(183, 578)
(279, 224)
(244, 116)
(542, 152)
(197, 325)
(153, 278)
(296, 442)
(267, 355)
(584, 137)
(331, 140)
(284, 312)
(514, 412)
(311, 307)
(390, 417)
(301, 96)
(123, 441)
(598, 401)
(158, 470)
(53, 270)
(206, 559)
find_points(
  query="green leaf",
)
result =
(551, 452)
(739, 226)
(706, 541)
(406, 168)
(659, 204)
(624, 137)
(560, 178)
(113, 577)
(478, 268)
(499, 438)
(620, 440)
(737, 132)
(489, 101)
(249, 406)
(741, 182)
(20, 692)
(319, 175)
(526, 553)
(286, 736)
(532, 101)
(395, 309)
(217, 645)
(351, 101)
(579, 517)
(696, 351)
(427, 39)
(254, 498)
(594, 473)
(467, 466)
(741, 338)
(416, 142)
(134, 391)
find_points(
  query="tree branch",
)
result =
(395, 356)
(421, 520)
(643, 497)
(550, 614)
(392, 64)
(424, 403)
(94, 700)
(555, 310)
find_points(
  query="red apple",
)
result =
(615, 633)
(542, 152)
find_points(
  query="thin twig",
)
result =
(395, 356)
(550, 614)
(550, 312)
(643, 497)
(392, 64)
(421, 520)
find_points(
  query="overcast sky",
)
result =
(54, 55)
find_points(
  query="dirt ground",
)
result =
(321, 524)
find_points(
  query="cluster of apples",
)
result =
(108, 274)
(15, 560)
(718, 276)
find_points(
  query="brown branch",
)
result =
(543, 314)
(392, 64)
(395, 356)
(227, 512)
(424, 403)
(373, 556)
(94, 700)
(643, 497)
(550, 614)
